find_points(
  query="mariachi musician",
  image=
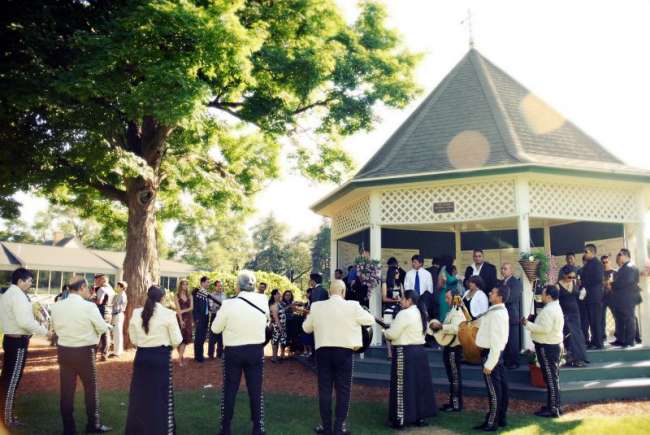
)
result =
(446, 334)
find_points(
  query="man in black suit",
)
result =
(318, 293)
(625, 296)
(592, 283)
(201, 314)
(483, 269)
(513, 305)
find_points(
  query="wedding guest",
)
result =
(292, 320)
(154, 330)
(78, 325)
(201, 317)
(626, 295)
(243, 320)
(18, 323)
(513, 305)
(185, 304)
(592, 283)
(474, 298)
(574, 339)
(391, 293)
(608, 279)
(447, 282)
(420, 280)
(215, 299)
(411, 399)
(261, 288)
(318, 293)
(119, 308)
(278, 324)
(104, 299)
(482, 268)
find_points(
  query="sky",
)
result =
(587, 59)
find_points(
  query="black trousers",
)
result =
(104, 345)
(15, 349)
(78, 362)
(334, 366)
(200, 335)
(626, 324)
(596, 327)
(584, 320)
(511, 352)
(548, 356)
(451, 357)
(214, 339)
(497, 389)
(248, 359)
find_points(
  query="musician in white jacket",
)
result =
(547, 334)
(411, 399)
(452, 352)
(492, 337)
(336, 325)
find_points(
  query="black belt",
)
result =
(17, 336)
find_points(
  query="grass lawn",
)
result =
(197, 412)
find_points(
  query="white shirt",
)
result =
(103, 291)
(17, 315)
(163, 328)
(240, 323)
(426, 280)
(479, 303)
(548, 327)
(493, 333)
(452, 321)
(77, 322)
(406, 329)
(337, 323)
(120, 302)
(476, 270)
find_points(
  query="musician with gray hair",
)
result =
(336, 325)
(242, 320)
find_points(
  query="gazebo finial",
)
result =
(468, 22)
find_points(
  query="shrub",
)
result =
(229, 281)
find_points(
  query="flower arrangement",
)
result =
(536, 265)
(368, 270)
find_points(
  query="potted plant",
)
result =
(535, 265)
(368, 271)
(536, 377)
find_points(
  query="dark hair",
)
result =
(287, 292)
(99, 275)
(477, 250)
(204, 279)
(418, 258)
(415, 299)
(75, 286)
(566, 270)
(504, 292)
(392, 261)
(625, 252)
(452, 269)
(339, 271)
(263, 283)
(316, 277)
(350, 267)
(570, 254)
(21, 274)
(552, 291)
(391, 282)
(591, 247)
(274, 292)
(435, 260)
(477, 280)
(604, 257)
(154, 294)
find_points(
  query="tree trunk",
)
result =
(141, 268)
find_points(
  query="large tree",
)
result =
(179, 109)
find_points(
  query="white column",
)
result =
(522, 196)
(640, 253)
(333, 255)
(375, 254)
(547, 238)
(458, 247)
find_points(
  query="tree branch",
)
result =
(108, 190)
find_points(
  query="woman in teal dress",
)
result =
(448, 282)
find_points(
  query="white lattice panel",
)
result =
(577, 201)
(487, 200)
(352, 219)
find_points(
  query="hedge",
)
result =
(229, 281)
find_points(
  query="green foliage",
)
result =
(229, 281)
(16, 230)
(320, 251)
(544, 262)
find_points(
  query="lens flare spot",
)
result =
(468, 149)
(540, 117)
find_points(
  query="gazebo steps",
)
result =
(612, 374)
(572, 392)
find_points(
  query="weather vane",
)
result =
(468, 21)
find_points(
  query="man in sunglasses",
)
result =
(592, 295)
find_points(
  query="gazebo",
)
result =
(484, 163)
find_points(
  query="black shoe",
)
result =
(99, 429)
(396, 426)
(421, 423)
(480, 426)
(615, 343)
(321, 430)
(503, 423)
(491, 428)
(450, 408)
(591, 346)
(548, 413)
(15, 423)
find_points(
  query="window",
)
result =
(111, 280)
(43, 282)
(5, 278)
(55, 282)
(173, 282)
(164, 282)
(67, 276)
(90, 277)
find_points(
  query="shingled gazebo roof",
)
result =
(480, 119)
